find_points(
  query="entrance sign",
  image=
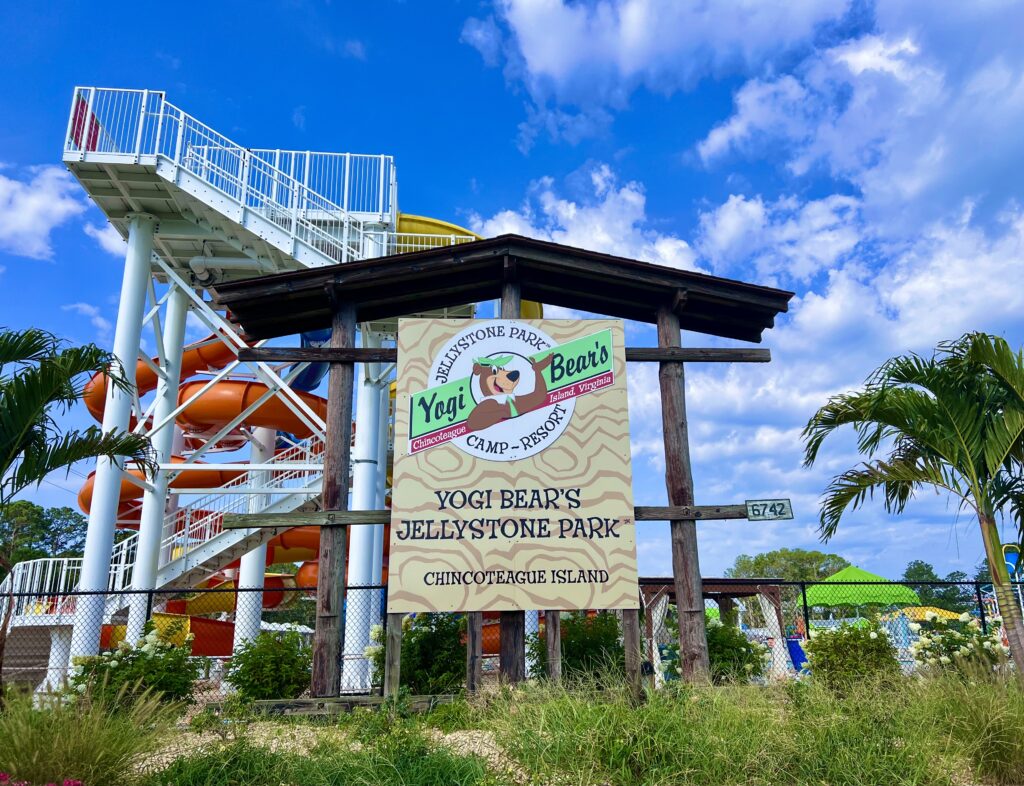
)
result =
(512, 482)
(769, 509)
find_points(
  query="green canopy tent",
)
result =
(832, 592)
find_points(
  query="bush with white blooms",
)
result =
(952, 644)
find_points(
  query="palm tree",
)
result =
(40, 378)
(953, 422)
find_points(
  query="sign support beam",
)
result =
(513, 623)
(327, 644)
(693, 648)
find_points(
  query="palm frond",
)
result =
(39, 460)
(897, 480)
(26, 346)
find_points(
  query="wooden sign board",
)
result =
(769, 509)
(512, 477)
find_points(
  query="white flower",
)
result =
(965, 617)
(931, 616)
(924, 641)
(974, 623)
(81, 688)
(931, 661)
(679, 669)
(872, 635)
(944, 660)
(942, 621)
(813, 634)
(114, 663)
(748, 666)
(914, 627)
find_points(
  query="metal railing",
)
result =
(185, 530)
(193, 525)
(359, 183)
(137, 123)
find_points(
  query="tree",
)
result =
(953, 422)
(787, 564)
(41, 377)
(951, 596)
(28, 531)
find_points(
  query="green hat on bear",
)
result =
(501, 362)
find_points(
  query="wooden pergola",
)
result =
(511, 268)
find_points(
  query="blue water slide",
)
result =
(311, 376)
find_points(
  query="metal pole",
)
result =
(154, 503)
(981, 607)
(359, 617)
(99, 539)
(807, 613)
(253, 568)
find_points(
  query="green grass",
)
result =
(401, 758)
(939, 731)
(800, 734)
(47, 740)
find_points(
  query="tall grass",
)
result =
(47, 739)
(403, 757)
(980, 718)
(797, 734)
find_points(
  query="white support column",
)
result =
(154, 503)
(359, 604)
(382, 479)
(249, 605)
(99, 540)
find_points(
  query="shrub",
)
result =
(957, 645)
(433, 653)
(839, 656)
(95, 740)
(591, 646)
(152, 666)
(732, 657)
(271, 666)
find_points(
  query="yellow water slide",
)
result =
(424, 225)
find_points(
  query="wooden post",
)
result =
(393, 655)
(553, 639)
(513, 647)
(727, 611)
(631, 644)
(513, 623)
(327, 640)
(693, 647)
(474, 650)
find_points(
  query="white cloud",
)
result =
(354, 49)
(907, 115)
(787, 239)
(110, 239)
(33, 207)
(593, 55)
(609, 217)
(104, 328)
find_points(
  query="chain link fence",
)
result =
(37, 630)
(41, 634)
(781, 615)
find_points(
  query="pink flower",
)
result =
(4, 777)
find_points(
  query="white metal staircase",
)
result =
(134, 152)
(194, 545)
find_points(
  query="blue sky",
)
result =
(866, 156)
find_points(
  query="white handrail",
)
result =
(137, 123)
(43, 585)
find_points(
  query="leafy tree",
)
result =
(787, 564)
(951, 597)
(29, 531)
(953, 422)
(41, 377)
